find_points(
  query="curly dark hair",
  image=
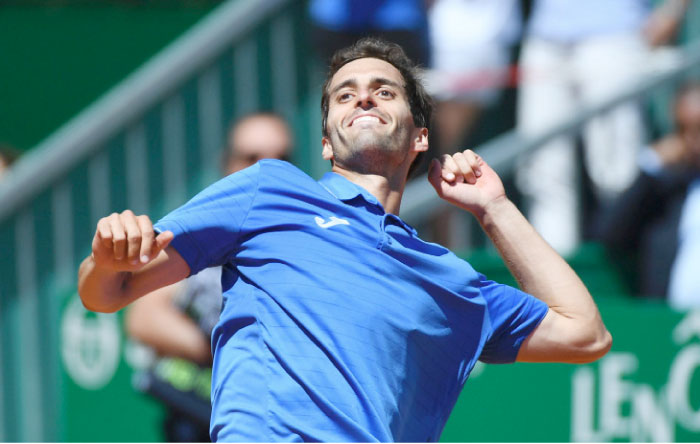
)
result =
(419, 100)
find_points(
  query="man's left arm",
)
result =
(572, 330)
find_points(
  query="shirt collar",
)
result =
(343, 189)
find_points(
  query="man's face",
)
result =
(259, 137)
(688, 122)
(369, 118)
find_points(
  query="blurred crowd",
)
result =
(492, 65)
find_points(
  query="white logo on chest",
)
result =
(332, 221)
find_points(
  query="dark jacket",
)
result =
(641, 227)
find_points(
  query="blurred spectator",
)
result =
(471, 44)
(471, 49)
(254, 137)
(8, 155)
(177, 321)
(575, 53)
(656, 222)
(339, 23)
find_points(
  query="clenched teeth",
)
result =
(366, 119)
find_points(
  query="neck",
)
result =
(387, 189)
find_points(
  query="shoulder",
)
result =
(282, 175)
(264, 173)
(269, 166)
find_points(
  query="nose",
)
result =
(365, 99)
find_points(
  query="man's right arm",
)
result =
(127, 261)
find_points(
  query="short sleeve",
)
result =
(513, 315)
(207, 228)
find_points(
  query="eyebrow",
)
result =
(374, 81)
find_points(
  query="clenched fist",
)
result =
(465, 180)
(126, 242)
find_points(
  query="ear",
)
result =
(327, 152)
(420, 140)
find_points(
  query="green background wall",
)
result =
(58, 57)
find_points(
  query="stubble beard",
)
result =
(369, 152)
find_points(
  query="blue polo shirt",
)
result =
(339, 323)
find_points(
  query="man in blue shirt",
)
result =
(339, 323)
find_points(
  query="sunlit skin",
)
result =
(370, 126)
